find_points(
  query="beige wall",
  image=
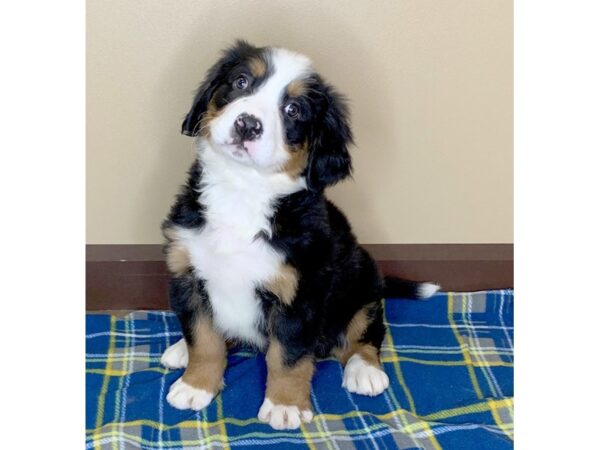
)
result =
(430, 83)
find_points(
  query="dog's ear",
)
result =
(191, 123)
(329, 159)
(216, 74)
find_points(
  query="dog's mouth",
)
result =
(237, 148)
(238, 144)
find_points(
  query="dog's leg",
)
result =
(293, 333)
(203, 377)
(206, 348)
(363, 373)
(181, 290)
(287, 399)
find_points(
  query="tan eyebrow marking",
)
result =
(297, 88)
(257, 66)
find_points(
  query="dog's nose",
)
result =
(248, 127)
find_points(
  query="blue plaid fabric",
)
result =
(449, 360)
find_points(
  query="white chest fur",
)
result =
(225, 252)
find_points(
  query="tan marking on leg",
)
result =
(369, 354)
(258, 67)
(357, 326)
(298, 159)
(207, 358)
(177, 256)
(178, 259)
(296, 88)
(284, 284)
(354, 332)
(170, 234)
(288, 385)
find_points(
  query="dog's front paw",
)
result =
(363, 378)
(176, 356)
(283, 417)
(183, 396)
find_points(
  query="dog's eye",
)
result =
(292, 109)
(241, 82)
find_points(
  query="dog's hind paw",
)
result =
(176, 356)
(363, 378)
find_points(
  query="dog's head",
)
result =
(267, 108)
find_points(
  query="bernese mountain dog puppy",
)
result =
(258, 255)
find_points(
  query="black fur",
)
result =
(329, 158)
(189, 300)
(337, 276)
(186, 212)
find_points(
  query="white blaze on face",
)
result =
(268, 151)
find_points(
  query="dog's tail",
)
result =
(399, 288)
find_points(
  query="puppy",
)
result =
(257, 253)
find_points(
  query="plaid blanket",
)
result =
(449, 360)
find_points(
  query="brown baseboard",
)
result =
(129, 277)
